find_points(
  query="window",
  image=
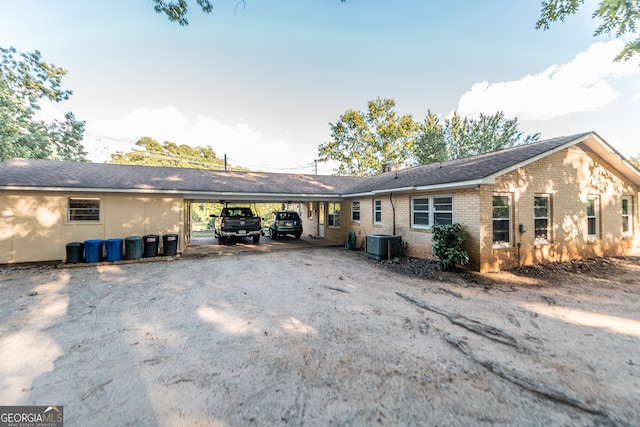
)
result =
(355, 211)
(593, 210)
(334, 215)
(429, 210)
(541, 209)
(84, 209)
(501, 220)
(627, 215)
(443, 210)
(377, 211)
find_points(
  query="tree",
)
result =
(636, 161)
(617, 16)
(25, 82)
(176, 10)
(363, 143)
(169, 154)
(461, 137)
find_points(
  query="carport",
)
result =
(309, 194)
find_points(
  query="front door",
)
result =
(321, 219)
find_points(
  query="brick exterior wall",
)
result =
(568, 177)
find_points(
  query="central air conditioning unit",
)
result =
(382, 246)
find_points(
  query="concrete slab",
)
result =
(207, 246)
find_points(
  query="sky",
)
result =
(261, 83)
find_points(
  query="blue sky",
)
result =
(261, 83)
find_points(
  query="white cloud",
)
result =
(242, 145)
(578, 86)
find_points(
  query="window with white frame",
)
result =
(442, 209)
(627, 215)
(355, 211)
(377, 211)
(501, 219)
(83, 209)
(429, 210)
(541, 214)
(334, 215)
(593, 215)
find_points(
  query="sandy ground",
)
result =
(317, 337)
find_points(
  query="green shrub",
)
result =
(447, 245)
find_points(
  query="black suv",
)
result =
(285, 222)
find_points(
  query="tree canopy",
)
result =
(619, 17)
(169, 154)
(176, 10)
(25, 82)
(460, 137)
(363, 143)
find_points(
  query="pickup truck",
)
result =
(237, 222)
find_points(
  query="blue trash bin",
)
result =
(114, 249)
(93, 250)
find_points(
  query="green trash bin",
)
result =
(74, 252)
(133, 247)
(151, 242)
(170, 244)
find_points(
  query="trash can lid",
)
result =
(94, 241)
(72, 244)
(133, 238)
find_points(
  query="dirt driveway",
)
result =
(318, 337)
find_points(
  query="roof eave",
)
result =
(613, 157)
(376, 192)
(89, 189)
(454, 185)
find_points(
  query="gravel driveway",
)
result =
(317, 337)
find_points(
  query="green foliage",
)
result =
(176, 10)
(619, 17)
(25, 82)
(460, 137)
(636, 161)
(169, 154)
(447, 245)
(364, 142)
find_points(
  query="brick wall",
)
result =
(569, 177)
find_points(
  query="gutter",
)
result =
(194, 195)
(376, 192)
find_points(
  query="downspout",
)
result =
(393, 214)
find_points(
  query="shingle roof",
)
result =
(460, 170)
(76, 176)
(51, 174)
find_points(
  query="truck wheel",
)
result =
(298, 235)
(256, 238)
(221, 240)
(272, 234)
